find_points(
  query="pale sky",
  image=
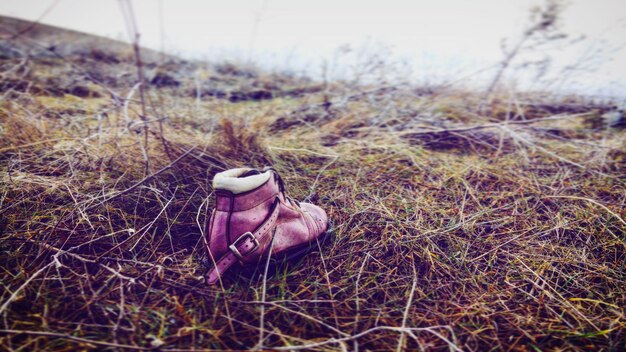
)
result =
(443, 39)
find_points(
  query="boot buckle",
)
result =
(233, 247)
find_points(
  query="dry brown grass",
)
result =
(452, 230)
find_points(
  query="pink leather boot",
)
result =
(252, 211)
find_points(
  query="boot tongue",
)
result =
(240, 180)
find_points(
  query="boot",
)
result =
(252, 214)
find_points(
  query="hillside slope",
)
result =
(459, 223)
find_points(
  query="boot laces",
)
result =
(281, 187)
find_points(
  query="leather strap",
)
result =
(246, 244)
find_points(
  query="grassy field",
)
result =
(458, 224)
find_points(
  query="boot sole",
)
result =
(281, 261)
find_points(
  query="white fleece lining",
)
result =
(229, 180)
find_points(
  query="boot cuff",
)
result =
(229, 180)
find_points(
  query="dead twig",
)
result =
(110, 197)
(431, 330)
(74, 338)
(491, 125)
(133, 32)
